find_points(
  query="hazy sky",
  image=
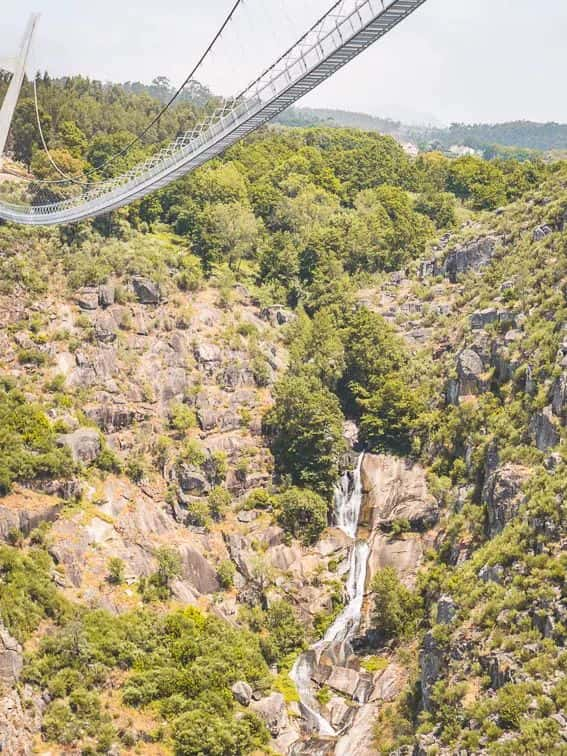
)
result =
(455, 60)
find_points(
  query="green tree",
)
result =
(440, 207)
(199, 732)
(398, 611)
(303, 513)
(228, 232)
(305, 429)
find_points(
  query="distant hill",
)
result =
(522, 134)
(525, 135)
(302, 117)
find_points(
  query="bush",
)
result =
(259, 498)
(226, 573)
(181, 417)
(115, 571)
(28, 442)
(219, 500)
(198, 732)
(398, 612)
(302, 513)
(28, 595)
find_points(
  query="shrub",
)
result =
(115, 571)
(398, 611)
(219, 500)
(259, 498)
(198, 732)
(181, 417)
(302, 513)
(226, 572)
(28, 442)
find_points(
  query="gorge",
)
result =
(184, 567)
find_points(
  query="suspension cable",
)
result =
(125, 150)
(46, 148)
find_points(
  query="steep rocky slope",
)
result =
(150, 487)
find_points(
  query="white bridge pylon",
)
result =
(17, 67)
(349, 28)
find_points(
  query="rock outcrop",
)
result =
(472, 256)
(84, 444)
(11, 660)
(543, 429)
(502, 496)
(395, 500)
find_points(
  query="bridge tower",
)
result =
(17, 66)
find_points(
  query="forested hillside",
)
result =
(517, 135)
(182, 386)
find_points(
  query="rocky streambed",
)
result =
(381, 491)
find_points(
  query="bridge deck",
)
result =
(326, 48)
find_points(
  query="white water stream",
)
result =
(348, 501)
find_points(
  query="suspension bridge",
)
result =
(341, 34)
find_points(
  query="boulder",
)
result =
(172, 383)
(502, 496)
(540, 232)
(24, 516)
(343, 680)
(147, 292)
(491, 573)
(198, 571)
(112, 417)
(208, 355)
(234, 377)
(446, 610)
(20, 721)
(84, 443)
(339, 713)
(360, 740)
(404, 555)
(11, 658)
(106, 295)
(273, 711)
(105, 328)
(277, 315)
(395, 489)
(389, 683)
(242, 692)
(470, 370)
(431, 662)
(482, 318)
(500, 667)
(87, 298)
(208, 417)
(543, 430)
(192, 481)
(472, 256)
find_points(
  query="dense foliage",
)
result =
(313, 221)
(28, 442)
(182, 664)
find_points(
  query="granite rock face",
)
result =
(543, 429)
(84, 444)
(11, 660)
(147, 292)
(472, 256)
(502, 496)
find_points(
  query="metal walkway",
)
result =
(327, 47)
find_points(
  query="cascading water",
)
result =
(348, 501)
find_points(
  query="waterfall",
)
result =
(348, 501)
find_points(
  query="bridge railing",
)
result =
(344, 22)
